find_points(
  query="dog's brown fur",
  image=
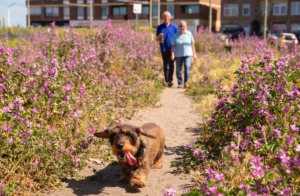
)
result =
(145, 143)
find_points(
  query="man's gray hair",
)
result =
(167, 12)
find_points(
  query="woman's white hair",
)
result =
(183, 22)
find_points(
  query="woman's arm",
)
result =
(194, 50)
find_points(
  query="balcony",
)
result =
(130, 17)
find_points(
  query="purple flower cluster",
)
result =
(257, 166)
(199, 154)
(211, 175)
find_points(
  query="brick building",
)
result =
(283, 15)
(77, 12)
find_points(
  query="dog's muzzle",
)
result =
(121, 155)
(128, 157)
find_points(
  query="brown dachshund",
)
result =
(137, 148)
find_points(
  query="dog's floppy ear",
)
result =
(103, 134)
(143, 132)
(106, 133)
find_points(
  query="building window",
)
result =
(171, 9)
(231, 10)
(36, 11)
(52, 11)
(51, 0)
(80, 1)
(295, 27)
(190, 9)
(279, 9)
(66, 13)
(145, 12)
(155, 12)
(88, 13)
(295, 8)
(263, 9)
(279, 28)
(119, 12)
(80, 13)
(104, 12)
(145, 9)
(246, 10)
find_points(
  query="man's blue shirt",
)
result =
(169, 33)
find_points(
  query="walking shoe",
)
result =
(180, 86)
(170, 84)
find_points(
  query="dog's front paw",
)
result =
(138, 182)
(157, 164)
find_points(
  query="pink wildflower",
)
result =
(197, 153)
(191, 144)
(71, 150)
(170, 192)
(76, 160)
(256, 164)
(219, 177)
(294, 128)
(37, 162)
(213, 189)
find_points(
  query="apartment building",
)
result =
(282, 15)
(80, 13)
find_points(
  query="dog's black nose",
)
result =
(120, 145)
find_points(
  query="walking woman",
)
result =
(183, 50)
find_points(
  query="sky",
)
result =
(17, 10)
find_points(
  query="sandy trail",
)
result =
(177, 117)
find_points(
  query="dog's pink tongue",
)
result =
(130, 158)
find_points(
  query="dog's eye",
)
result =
(132, 138)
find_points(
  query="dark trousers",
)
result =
(168, 66)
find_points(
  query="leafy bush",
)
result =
(58, 88)
(250, 145)
(215, 65)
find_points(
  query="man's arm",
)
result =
(172, 53)
(159, 34)
(158, 37)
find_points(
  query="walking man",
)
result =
(164, 34)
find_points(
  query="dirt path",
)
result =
(178, 119)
